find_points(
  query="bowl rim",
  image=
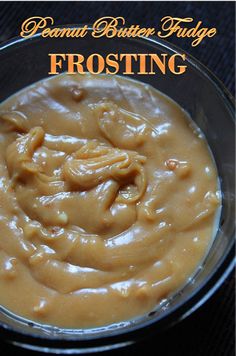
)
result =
(197, 297)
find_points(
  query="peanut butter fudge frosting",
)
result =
(108, 200)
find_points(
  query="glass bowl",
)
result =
(203, 96)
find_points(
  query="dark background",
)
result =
(210, 331)
(217, 53)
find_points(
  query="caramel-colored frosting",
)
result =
(108, 197)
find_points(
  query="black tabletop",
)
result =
(210, 330)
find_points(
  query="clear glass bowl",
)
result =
(24, 62)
